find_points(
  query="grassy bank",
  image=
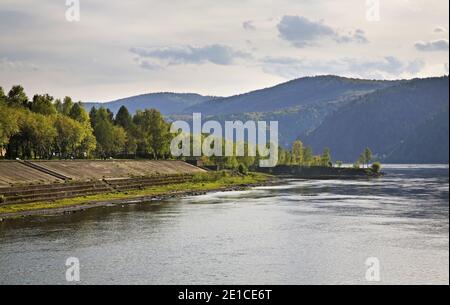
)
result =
(200, 183)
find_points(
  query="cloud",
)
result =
(387, 67)
(432, 46)
(249, 26)
(439, 30)
(216, 54)
(144, 64)
(15, 65)
(301, 32)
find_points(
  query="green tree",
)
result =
(43, 134)
(78, 113)
(17, 97)
(123, 118)
(9, 126)
(376, 167)
(152, 132)
(297, 152)
(67, 105)
(110, 139)
(325, 159)
(69, 136)
(362, 160)
(2, 96)
(43, 104)
(308, 156)
(58, 105)
(368, 156)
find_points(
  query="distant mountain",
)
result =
(403, 123)
(291, 95)
(428, 143)
(299, 105)
(166, 103)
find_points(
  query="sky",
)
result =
(212, 47)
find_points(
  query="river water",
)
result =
(301, 232)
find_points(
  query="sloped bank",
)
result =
(198, 184)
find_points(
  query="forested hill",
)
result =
(297, 93)
(166, 103)
(404, 123)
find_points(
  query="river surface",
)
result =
(301, 232)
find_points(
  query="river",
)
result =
(300, 232)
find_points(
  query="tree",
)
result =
(362, 160)
(43, 134)
(17, 97)
(8, 124)
(376, 167)
(58, 105)
(70, 135)
(78, 113)
(368, 156)
(308, 156)
(67, 105)
(325, 159)
(43, 104)
(297, 152)
(2, 96)
(123, 118)
(152, 132)
(110, 139)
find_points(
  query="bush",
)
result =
(242, 169)
(376, 167)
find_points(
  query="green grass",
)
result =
(202, 182)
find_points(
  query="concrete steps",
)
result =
(50, 192)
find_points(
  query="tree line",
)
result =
(49, 128)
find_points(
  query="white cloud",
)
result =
(249, 26)
(432, 46)
(216, 54)
(91, 59)
(440, 30)
(302, 32)
(388, 67)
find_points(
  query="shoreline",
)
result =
(90, 204)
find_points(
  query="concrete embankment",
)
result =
(26, 182)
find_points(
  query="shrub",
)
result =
(242, 169)
(376, 167)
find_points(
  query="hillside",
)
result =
(428, 143)
(166, 103)
(300, 92)
(384, 120)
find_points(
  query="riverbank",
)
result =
(201, 184)
(323, 173)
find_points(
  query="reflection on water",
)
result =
(301, 232)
